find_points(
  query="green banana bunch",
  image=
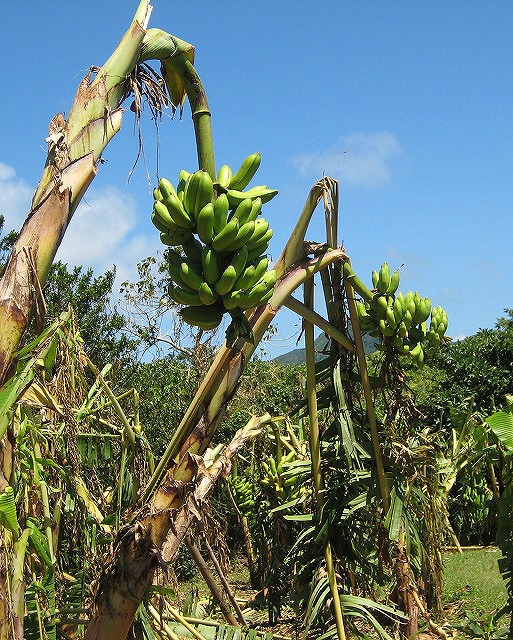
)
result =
(280, 475)
(400, 321)
(217, 239)
(242, 492)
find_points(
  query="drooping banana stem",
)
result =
(315, 453)
(182, 80)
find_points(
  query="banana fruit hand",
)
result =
(217, 241)
(400, 321)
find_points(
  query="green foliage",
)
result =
(166, 387)
(266, 387)
(102, 327)
(480, 366)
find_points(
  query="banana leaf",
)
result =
(501, 423)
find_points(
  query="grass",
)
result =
(473, 587)
(473, 591)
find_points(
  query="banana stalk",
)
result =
(371, 413)
(315, 452)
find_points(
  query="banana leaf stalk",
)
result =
(18, 584)
(369, 401)
(315, 452)
(224, 582)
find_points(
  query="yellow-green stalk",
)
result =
(315, 453)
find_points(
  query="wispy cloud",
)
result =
(103, 231)
(360, 159)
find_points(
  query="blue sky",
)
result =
(408, 104)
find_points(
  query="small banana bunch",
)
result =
(280, 475)
(401, 320)
(217, 241)
(242, 492)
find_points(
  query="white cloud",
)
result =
(360, 159)
(102, 234)
(15, 198)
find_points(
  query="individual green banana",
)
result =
(226, 236)
(166, 188)
(244, 174)
(190, 276)
(240, 260)
(399, 307)
(236, 197)
(385, 329)
(160, 225)
(198, 192)
(424, 310)
(243, 236)
(375, 278)
(384, 278)
(361, 311)
(224, 175)
(193, 249)
(221, 208)
(256, 209)
(162, 216)
(157, 194)
(417, 354)
(391, 321)
(251, 274)
(174, 270)
(177, 211)
(407, 319)
(207, 295)
(225, 283)
(184, 296)
(211, 265)
(394, 283)
(242, 211)
(206, 317)
(409, 302)
(260, 229)
(262, 241)
(205, 223)
(175, 238)
(182, 183)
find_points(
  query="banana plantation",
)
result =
(338, 498)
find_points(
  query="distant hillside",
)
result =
(297, 356)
